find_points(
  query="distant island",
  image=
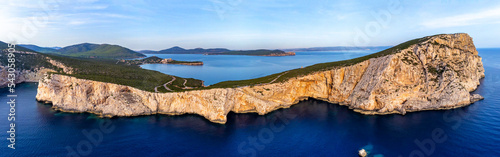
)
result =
(107, 51)
(256, 53)
(157, 60)
(179, 50)
(220, 51)
(430, 73)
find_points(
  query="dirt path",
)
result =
(165, 85)
(186, 87)
(184, 84)
(169, 82)
(278, 77)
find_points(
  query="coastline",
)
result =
(406, 81)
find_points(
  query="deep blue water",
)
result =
(310, 128)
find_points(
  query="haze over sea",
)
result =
(312, 127)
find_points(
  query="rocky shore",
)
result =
(282, 54)
(438, 73)
(157, 60)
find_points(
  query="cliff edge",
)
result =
(438, 72)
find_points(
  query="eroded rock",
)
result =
(438, 73)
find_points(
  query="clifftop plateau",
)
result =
(430, 73)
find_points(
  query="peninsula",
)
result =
(220, 51)
(430, 73)
(180, 50)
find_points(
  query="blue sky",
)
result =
(244, 24)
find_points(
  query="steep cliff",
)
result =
(33, 74)
(20, 76)
(437, 73)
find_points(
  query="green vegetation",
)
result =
(107, 70)
(410, 61)
(240, 83)
(315, 68)
(177, 85)
(87, 50)
(149, 60)
(155, 60)
(434, 70)
(179, 50)
(4, 46)
(40, 49)
(104, 70)
(27, 61)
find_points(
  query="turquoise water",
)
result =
(310, 128)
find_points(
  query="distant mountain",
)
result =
(179, 50)
(3, 45)
(57, 48)
(147, 51)
(261, 52)
(338, 48)
(40, 49)
(18, 48)
(174, 50)
(88, 50)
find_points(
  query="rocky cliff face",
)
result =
(20, 76)
(438, 73)
(34, 75)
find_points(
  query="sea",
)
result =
(309, 128)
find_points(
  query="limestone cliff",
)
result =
(438, 73)
(20, 76)
(33, 75)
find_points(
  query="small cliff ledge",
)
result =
(439, 72)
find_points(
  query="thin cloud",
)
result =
(483, 17)
(91, 7)
(76, 23)
(87, 1)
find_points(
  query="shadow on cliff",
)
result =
(312, 112)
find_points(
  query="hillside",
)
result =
(157, 60)
(431, 73)
(179, 50)
(29, 68)
(26, 59)
(39, 49)
(219, 51)
(4, 46)
(87, 50)
(318, 67)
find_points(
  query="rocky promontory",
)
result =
(157, 60)
(439, 72)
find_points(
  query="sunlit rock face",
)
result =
(33, 75)
(439, 73)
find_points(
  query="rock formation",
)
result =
(282, 54)
(438, 73)
(21, 76)
(362, 153)
(33, 75)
